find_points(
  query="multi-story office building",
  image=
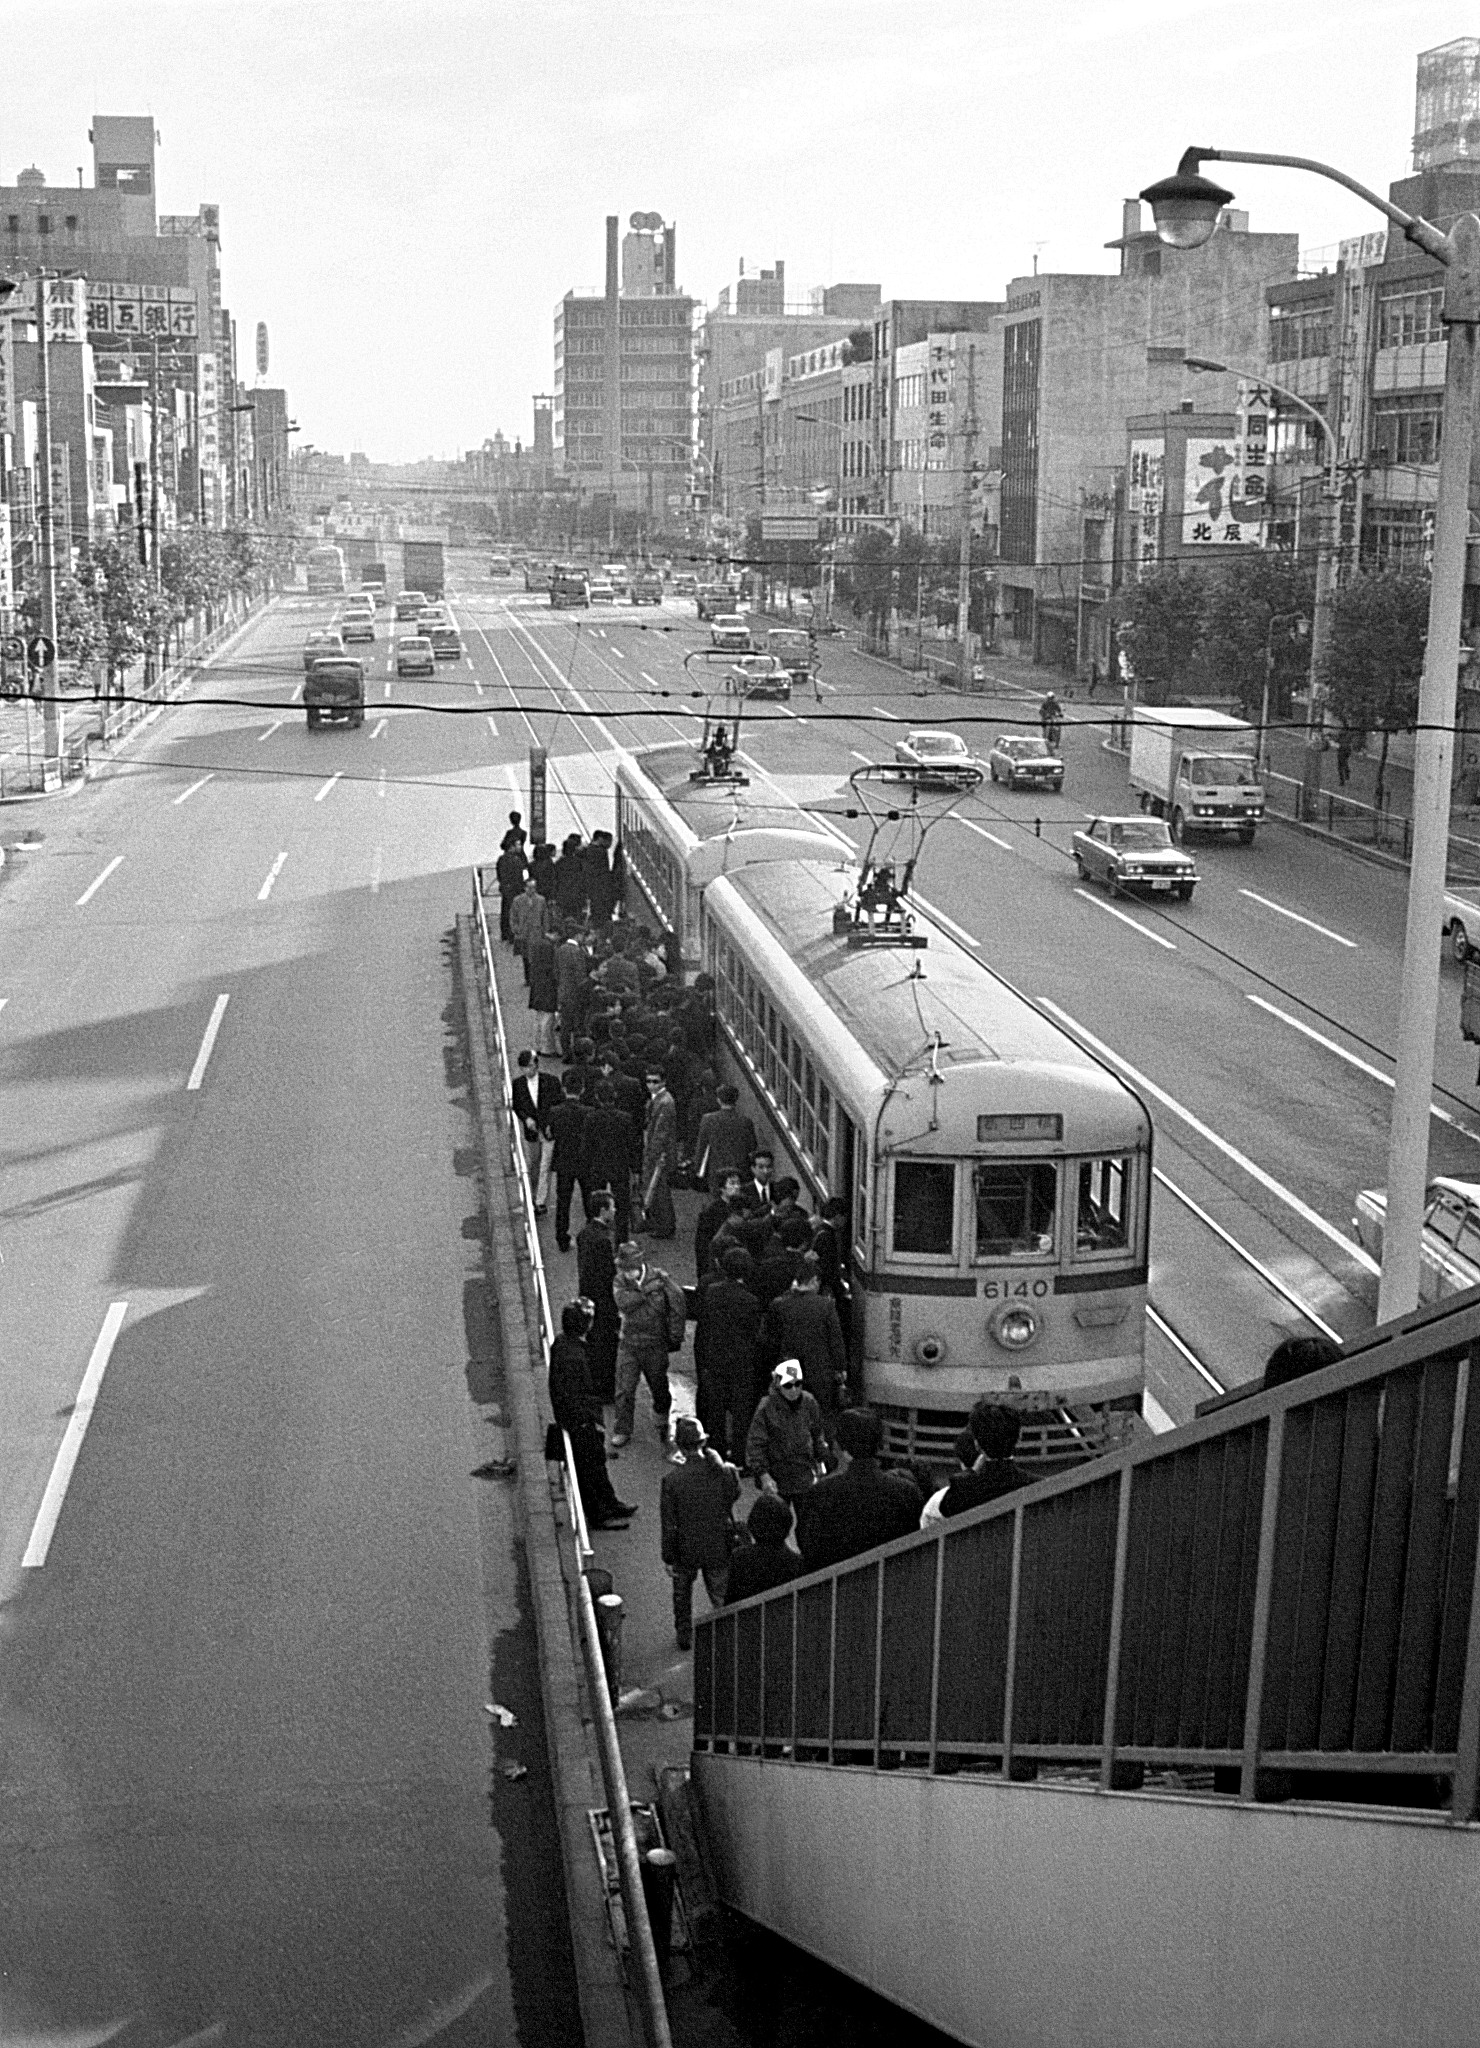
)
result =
(148, 317)
(903, 324)
(946, 429)
(750, 324)
(1082, 355)
(623, 414)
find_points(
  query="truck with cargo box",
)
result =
(1198, 769)
(423, 567)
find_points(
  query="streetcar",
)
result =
(997, 1175)
(679, 826)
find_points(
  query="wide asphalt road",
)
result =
(254, 1603)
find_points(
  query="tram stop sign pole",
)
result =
(536, 796)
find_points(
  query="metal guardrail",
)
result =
(613, 1772)
(1280, 1592)
(1357, 823)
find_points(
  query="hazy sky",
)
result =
(406, 190)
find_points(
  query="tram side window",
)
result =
(1015, 1201)
(1102, 1220)
(925, 1207)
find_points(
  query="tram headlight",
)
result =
(1013, 1326)
(930, 1350)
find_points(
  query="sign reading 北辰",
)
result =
(1226, 480)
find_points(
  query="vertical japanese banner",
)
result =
(7, 375)
(1146, 500)
(537, 761)
(1217, 507)
(1253, 459)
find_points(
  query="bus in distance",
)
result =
(325, 571)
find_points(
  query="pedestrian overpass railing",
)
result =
(1282, 1593)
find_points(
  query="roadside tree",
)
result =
(1375, 659)
(1240, 605)
(1162, 633)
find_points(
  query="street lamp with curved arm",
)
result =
(1185, 209)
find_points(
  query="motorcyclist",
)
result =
(1051, 718)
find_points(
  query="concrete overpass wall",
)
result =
(1032, 1915)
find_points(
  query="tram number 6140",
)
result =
(1013, 1290)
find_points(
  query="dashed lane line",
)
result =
(207, 1044)
(982, 832)
(49, 1513)
(320, 794)
(379, 727)
(1351, 1058)
(1348, 1246)
(199, 783)
(272, 874)
(93, 886)
(270, 730)
(1296, 918)
(879, 712)
(1134, 923)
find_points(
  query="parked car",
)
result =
(414, 656)
(759, 675)
(318, 646)
(729, 632)
(1461, 925)
(446, 642)
(601, 590)
(938, 757)
(537, 575)
(647, 587)
(685, 585)
(1134, 853)
(1449, 1250)
(1025, 761)
(500, 565)
(409, 603)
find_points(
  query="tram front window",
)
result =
(925, 1207)
(1101, 1223)
(1015, 1201)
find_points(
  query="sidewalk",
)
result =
(89, 723)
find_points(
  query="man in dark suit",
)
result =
(711, 1216)
(533, 1097)
(567, 1124)
(609, 1155)
(726, 1138)
(756, 1187)
(596, 1270)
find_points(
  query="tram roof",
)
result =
(892, 1011)
(711, 809)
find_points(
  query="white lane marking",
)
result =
(387, 689)
(1145, 931)
(320, 794)
(618, 653)
(380, 785)
(3, 1001)
(477, 686)
(200, 783)
(44, 1527)
(1295, 918)
(272, 874)
(197, 1072)
(267, 735)
(1190, 1355)
(879, 712)
(1270, 1279)
(375, 867)
(983, 833)
(1362, 1066)
(947, 923)
(1265, 1180)
(650, 679)
(93, 887)
(379, 727)
(867, 759)
(297, 693)
(827, 686)
(493, 725)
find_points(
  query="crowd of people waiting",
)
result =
(637, 1110)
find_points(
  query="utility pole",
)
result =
(154, 459)
(963, 575)
(51, 711)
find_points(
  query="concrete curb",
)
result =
(607, 2018)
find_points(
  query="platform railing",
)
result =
(1283, 1593)
(649, 1984)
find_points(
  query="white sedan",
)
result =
(937, 757)
(759, 675)
(1449, 1252)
